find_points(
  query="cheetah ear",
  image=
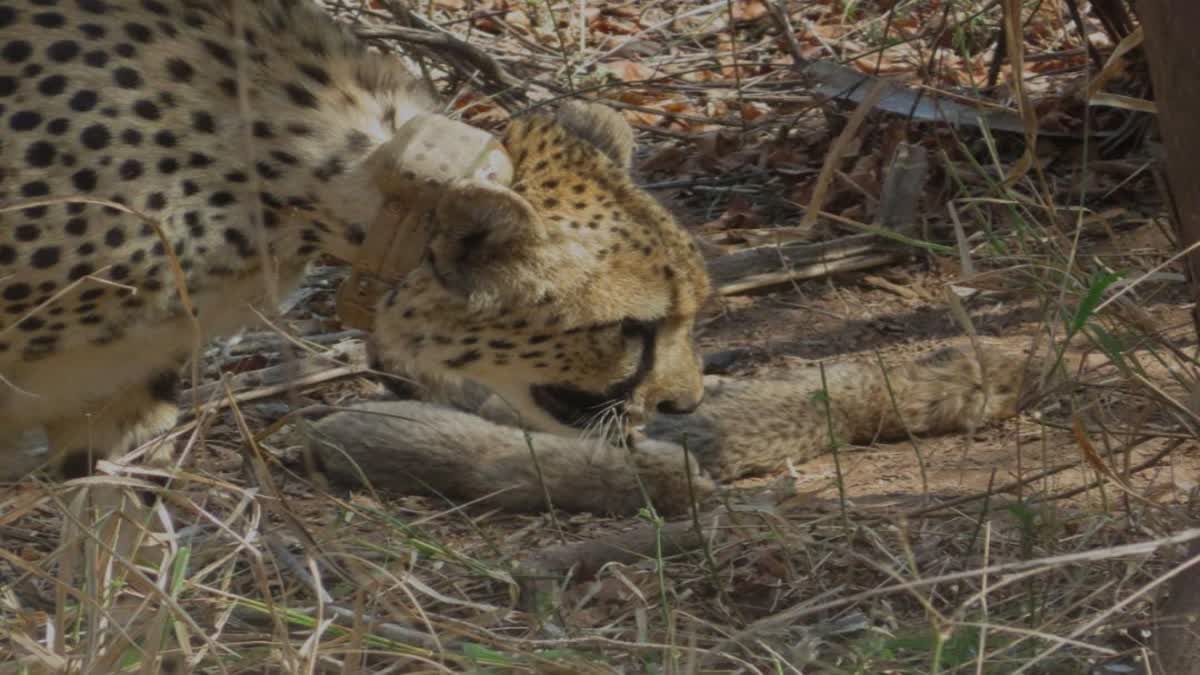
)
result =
(485, 242)
(601, 126)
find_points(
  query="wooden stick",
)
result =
(540, 576)
(819, 269)
(346, 360)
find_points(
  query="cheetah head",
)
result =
(572, 293)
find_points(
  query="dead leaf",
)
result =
(770, 563)
(628, 71)
(717, 145)
(613, 26)
(628, 47)
(665, 158)
(753, 110)
(748, 10)
(488, 24)
(1094, 459)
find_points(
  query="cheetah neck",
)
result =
(403, 179)
(412, 172)
(336, 213)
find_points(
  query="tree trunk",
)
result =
(1173, 53)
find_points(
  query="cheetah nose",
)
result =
(679, 407)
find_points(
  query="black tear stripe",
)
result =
(574, 407)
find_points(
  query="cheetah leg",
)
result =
(127, 420)
(118, 523)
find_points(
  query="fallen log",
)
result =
(409, 447)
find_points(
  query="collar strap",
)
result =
(413, 171)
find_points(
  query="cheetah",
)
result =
(168, 168)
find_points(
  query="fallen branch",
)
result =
(342, 616)
(763, 266)
(783, 24)
(840, 82)
(749, 279)
(344, 360)
(410, 447)
(541, 575)
(498, 81)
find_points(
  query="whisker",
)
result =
(604, 421)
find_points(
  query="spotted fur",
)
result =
(143, 150)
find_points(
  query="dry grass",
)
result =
(251, 569)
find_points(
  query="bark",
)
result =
(1173, 53)
(408, 447)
